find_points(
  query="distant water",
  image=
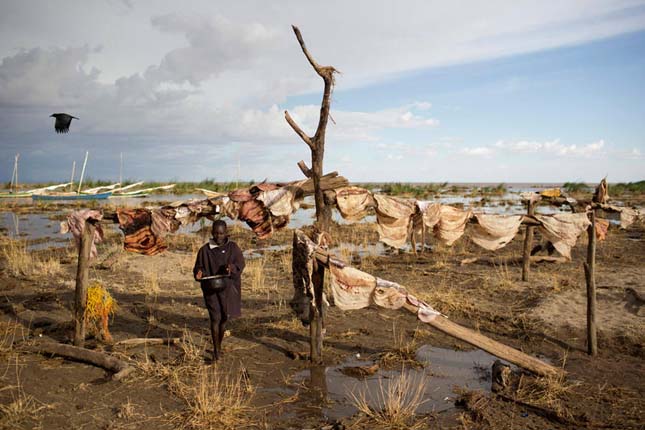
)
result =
(37, 227)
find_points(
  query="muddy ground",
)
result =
(264, 379)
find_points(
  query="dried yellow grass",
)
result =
(9, 331)
(150, 284)
(346, 252)
(218, 401)
(547, 392)
(19, 262)
(22, 408)
(403, 352)
(255, 275)
(49, 268)
(286, 261)
(396, 402)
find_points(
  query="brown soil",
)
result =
(268, 345)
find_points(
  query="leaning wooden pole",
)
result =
(590, 277)
(455, 330)
(316, 144)
(80, 296)
(528, 242)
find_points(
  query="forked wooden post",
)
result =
(80, 296)
(316, 144)
(528, 242)
(590, 277)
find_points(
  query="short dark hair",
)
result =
(219, 222)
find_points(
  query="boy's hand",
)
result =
(199, 275)
(230, 268)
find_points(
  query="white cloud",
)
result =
(215, 44)
(477, 151)
(48, 77)
(361, 126)
(551, 147)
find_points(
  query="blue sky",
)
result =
(577, 95)
(494, 92)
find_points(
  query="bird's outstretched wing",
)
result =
(63, 122)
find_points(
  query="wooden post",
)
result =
(590, 277)
(316, 310)
(80, 296)
(528, 242)
(316, 144)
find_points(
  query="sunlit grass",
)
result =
(395, 404)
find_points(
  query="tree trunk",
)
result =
(323, 212)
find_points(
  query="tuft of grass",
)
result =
(397, 401)
(285, 262)
(255, 275)
(403, 352)
(49, 268)
(547, 392)
(19, 262)
(151, 283)
(128, 411)
(217, 400)
(504, 279)
(346, 252)
(412, 190)
(22, 408)
(9, 331)
(576, 187)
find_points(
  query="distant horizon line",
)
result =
(378, 182)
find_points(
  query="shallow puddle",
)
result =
(331, 392)
(37, 228)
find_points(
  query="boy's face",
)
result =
(219, 234)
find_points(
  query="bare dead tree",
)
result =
(316, 144)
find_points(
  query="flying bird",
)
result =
(63, 122)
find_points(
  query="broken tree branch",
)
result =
(304, 169)
(298, 130)
(321, 70)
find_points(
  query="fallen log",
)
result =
(513, 260)
(148, 341)
(120, 368)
